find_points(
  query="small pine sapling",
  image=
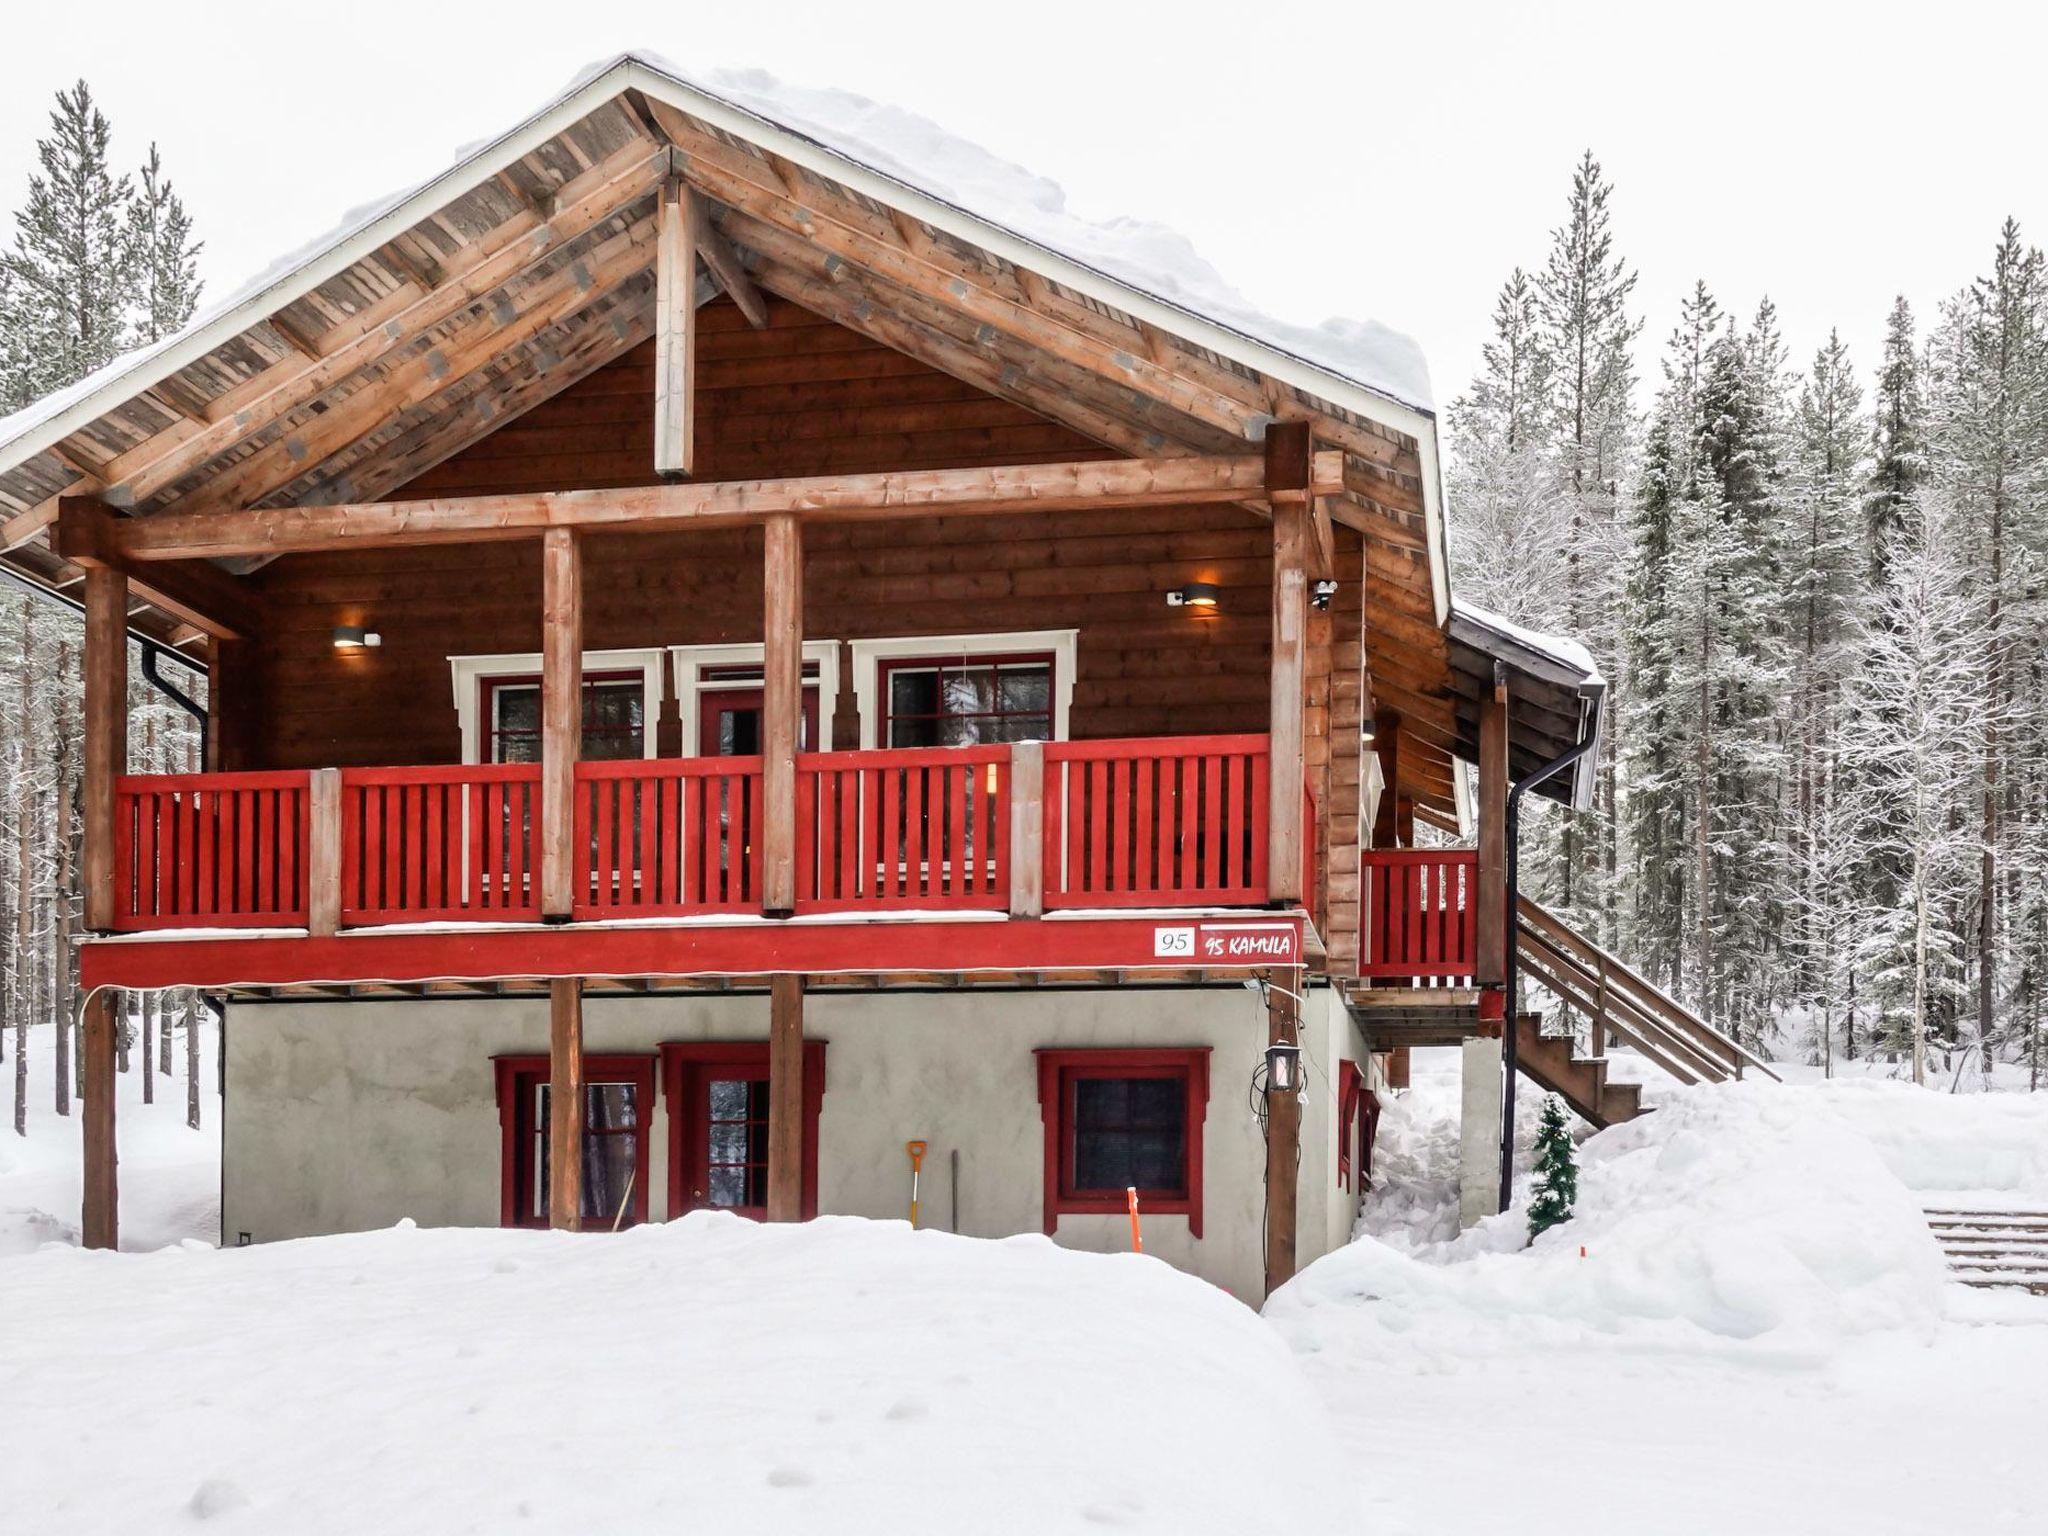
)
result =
(1557, 1172)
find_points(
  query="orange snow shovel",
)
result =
(1137, 1236)
(916, 1151)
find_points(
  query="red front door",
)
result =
(718, 1099)
(729, 721)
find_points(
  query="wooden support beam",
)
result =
(679, 223)
(1283, 1136)
(782, 703)
(561, 730)
(1288, 488)
(1027, 829)
(565, 1103)
(100, 1214)
(785, 1097)
(106, 735)
(323, 853)
(204, 596)
(725, 265)
(1386, 746)
(1083, 486)
(1490, 967)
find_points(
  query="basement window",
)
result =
(1122, 1119)
(618, 1102)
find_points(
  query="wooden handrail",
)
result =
(1634, 1007)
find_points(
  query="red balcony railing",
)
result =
(440, 844)
(1421, 914)
(1161, 823)
(210, 850)
(909, 829)
(668, 836)
(1170, 822)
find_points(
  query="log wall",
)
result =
(803, 397)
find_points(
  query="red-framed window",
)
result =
(618, 1108)
(614, 717)
(1121, 1119)
(952, 701)
(717, 1098)
(1358, 1115)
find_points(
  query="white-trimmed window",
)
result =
(718, 696)
(954, 690)
(497, 705)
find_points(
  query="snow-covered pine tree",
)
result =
(70, 269)
(1508, 536)
(162, 255)
(1824, 562)
(1989, 428)
(1914, 709)
(1555, 1189)
(1655, 811)
(1586, 336)
(1898, 450)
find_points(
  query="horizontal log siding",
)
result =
(801, 397)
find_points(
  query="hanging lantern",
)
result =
(1283, 1069)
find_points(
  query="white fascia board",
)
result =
(147, 369)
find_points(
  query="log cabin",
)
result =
(728, 657)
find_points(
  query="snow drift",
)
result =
(1750, 1212)
(707, 1374)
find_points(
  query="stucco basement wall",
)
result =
(347, 1116)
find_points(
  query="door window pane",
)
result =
(736, 1120)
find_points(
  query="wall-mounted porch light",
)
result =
(1283, 1069)
(1196, 594)
(353, 637)
(1366, 729)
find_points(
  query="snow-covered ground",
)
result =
(1737, 1331)
(170, 1173)
(705, 1375)
(1746, 1326)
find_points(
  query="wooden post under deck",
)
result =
(100, 1213)
(561, 717)
(785, 1097)
(106, 734)
(782, 703)
(565, 1103)
(1490, 967)
(1289, 474)
(1283, 1136)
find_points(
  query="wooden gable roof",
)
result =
(529, 264)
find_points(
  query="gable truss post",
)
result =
(678, 232)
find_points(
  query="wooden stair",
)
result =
(1552, 1061)
(2001, 1250)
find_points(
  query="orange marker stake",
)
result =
(916, 1151)
(1137, 1236)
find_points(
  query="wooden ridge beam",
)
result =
(1086, 485)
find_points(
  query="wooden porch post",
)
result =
(1288, 477)
(1027, 829)
(1386, 746)
(1283, 1137)
(1495, 922)
(106, 734)
(561, 716)
(785, 1098)
(323, 853)
(565, 1103)
(100, 1216)
(782, 703)
(678, 225)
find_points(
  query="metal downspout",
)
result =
(1590, 734)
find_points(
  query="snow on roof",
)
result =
(885, 141)
(1562, 649)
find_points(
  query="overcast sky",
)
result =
(1351, 157)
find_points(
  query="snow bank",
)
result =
(1748, 1212)
(707, 1374)
(1937, 1143)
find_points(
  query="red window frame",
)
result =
(516, 1077)
(1358, 1118)
(487, 706)
(943, 662)
(1059, 1070)
(687, 1069)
